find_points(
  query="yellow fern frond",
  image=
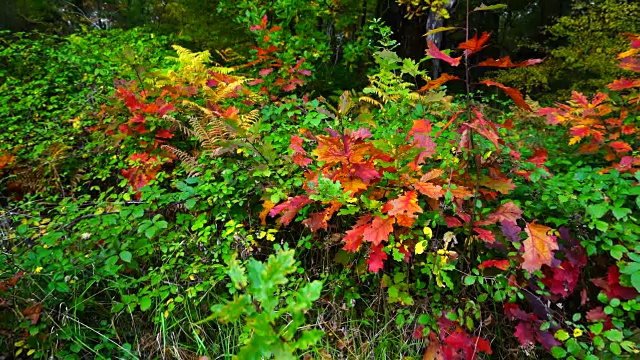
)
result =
(370, 100)
(189, 162)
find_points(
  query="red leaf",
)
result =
(452, 221)
(562, 280)
(376, 258)
(435, 53)
(631, 64)
(289, 208)
(611, 285)
(296, 145)
(485, 235)
(289, 87)
(513, 93)
(596, 314)
(319, 220)
(164, 134)
(620, 146)
(538, 247)
(623, 84)
(505, 62)
(265, 72)
(474, 44)
(353, 239)
(434, 84)
(417, 333)
(138, 118)
(33, 313)
(379, 230)
(499, 264)
(525, 334)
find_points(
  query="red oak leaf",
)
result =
(434, 84)
(485, 235)
(505, 62)
(474, 44)
(620, 146)
(525, 334)
(538, 247)
(290, 208)
(596, 314)
(562, 280)
(265, 72)
(164, 134)
(434, 52)
(498, 264)
(376, 258)
(623, 84)
(611, 285)
(379, 230)
(353, 239)
(513, 93)
(452, 221)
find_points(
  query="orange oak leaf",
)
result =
(462, 192)
(266, 207)
(319, 220)
(513, 93)
(429, 189)
(506, 212)
(376, 258)
(33, 313)
(502, 185)
(474, 44)
(379, 230)
(538, 247)
(506, 62)
(406, 206)
(434, 52)
(6, 159)
(434, 84)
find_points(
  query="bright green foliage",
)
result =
(271, 313)
(51, 86)
(582, 49)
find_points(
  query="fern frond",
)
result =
(370, 100)
(180, 125)
(248, 120)
(189, 162)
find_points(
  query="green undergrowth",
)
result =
(157, 205)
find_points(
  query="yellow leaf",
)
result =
(575, 139)
(421, 246)
(428, 232)
(440, 29)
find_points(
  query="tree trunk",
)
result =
(434, 22)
